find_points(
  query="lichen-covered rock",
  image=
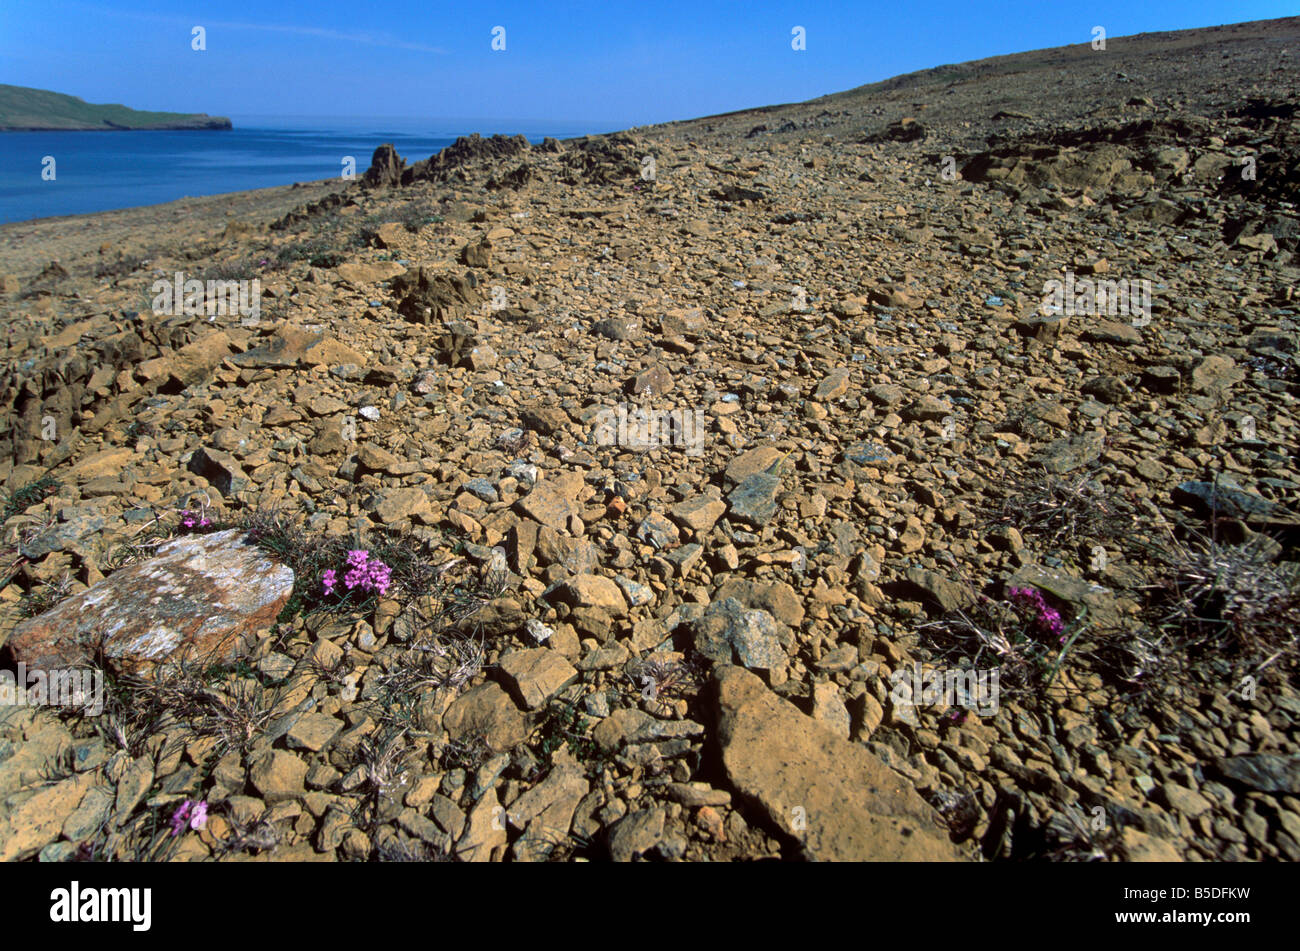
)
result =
(195, 599)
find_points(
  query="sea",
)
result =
(47, 174)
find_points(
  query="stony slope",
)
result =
(896, 439)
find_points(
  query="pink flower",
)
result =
(191, 520)
(1046, 619)
(180, 817)
(199, 816)
(362, 573)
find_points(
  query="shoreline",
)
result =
(27, 246)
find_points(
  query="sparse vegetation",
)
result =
(33, 493)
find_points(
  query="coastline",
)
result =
(26, 246)
(213, 124)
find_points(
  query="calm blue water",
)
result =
(97, 171)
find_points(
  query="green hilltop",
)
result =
(28, 110)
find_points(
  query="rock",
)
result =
(1140, 847)
(482, 489)
(1162, 379)
(590, 591)
(91, 815)
(551, 503)
(485, 712)
(754, 500)
(359, 272)
(1181, 799)
(313, 732)
(577, 554)
(482, 357)
(429, 296)
(1216, 374)
(220, 469)
(658, 532)
(1111, 331)
(1106, 389)
(447, 815)
(196, 598)
(751, 462)
(1260, 772)
(546, 420)
(656, 381)
(1224, 500)
(775, 597)
(912, 538)
(832, 798)
(535, 675)
(829, 709)
(278, 776)
(97, 465)
(39, 820)
(886, 394)
(635, 834)
(477, 254)
(753, 637)
(136, 780)
(74, 527)
(291, 347)
(191, 364)
(392, 235)
(636, 593)
(617, 328)
(498, 617)
(927, 408)
(933, 589)
(551, 803)
(376, 459)
(538, 631)
(695, 795)
(393, 506)
(484, 838)
(386, 168)
(834, 385)
(1070, 453)
(907, 129)
(628, 725)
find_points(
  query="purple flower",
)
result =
(182, 816)
(193, 520)
(362, 573)
(1046, 619)
(199, 816)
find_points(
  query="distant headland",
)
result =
(23, 109)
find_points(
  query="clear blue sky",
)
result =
(628, 63)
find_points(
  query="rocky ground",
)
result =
(593, 648)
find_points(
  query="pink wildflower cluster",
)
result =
(193, 520)
(194, 814)
(1046, 619)
(363, 573)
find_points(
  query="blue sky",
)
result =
(625, 63)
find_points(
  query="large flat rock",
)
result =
(195, 599)
(838, 800)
